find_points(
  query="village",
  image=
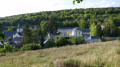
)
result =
(64, 32)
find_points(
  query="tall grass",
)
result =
(103, 54)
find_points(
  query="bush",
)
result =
(8, 48)
(77, 40)
(118, 39)
(99, 41)
(61, 41)
(2, 50)
(31, 47)
(50, 43)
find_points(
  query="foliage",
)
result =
(70, 18)
(83, 24)
(77, 40)
(31, 46)
(78, 1)
(1, 50)
(118, 39)
(9, 39)
(61, 41)
(93, 31)
(2, 36)
(50, 43)
(8, 48)
(52, 27)
(99, 41)
(27, 35)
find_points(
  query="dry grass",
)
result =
(105, 54)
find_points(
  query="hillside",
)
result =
(66, 18)
(105, 54)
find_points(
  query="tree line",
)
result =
(82, 18)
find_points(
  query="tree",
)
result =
(109, 28)
(82, 24)
(78, 1)
(35, 35)
(61, 41)
(9, 39)
(99, 30)
(52, 27)
(77, 40)
(43, 30)
(50, 43)
(93, 31)
(2, 36)
(8, 48)
(27, 35)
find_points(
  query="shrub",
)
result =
(77, 40)
(8, 48)
(118, 39)
(61, 41)
(99, 41)
(31, 47)
(9, 39)
(50, 43)
(2, 50)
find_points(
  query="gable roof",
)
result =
(17, 39)
(95, 37)
(19, 33)
(9, 34)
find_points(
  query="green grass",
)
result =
(103, 54)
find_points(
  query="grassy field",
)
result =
(104, 54)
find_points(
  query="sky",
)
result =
(15, 7)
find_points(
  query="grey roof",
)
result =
(17, 39)
(9, 34)
(95, 37)
(20, 33)
(19, 25)
(65, 27)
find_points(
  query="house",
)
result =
(73, 32)
(16, 35)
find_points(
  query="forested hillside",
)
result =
(68, 18)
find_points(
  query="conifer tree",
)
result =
(27, 35)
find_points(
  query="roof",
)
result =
(65, 27)
(95, 37)
(20, 33)
(19, 25)
(17, 39)
(9, 34)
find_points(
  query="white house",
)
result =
(73, 32)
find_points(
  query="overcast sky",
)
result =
(15, 7)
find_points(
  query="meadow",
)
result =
(103, 54)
